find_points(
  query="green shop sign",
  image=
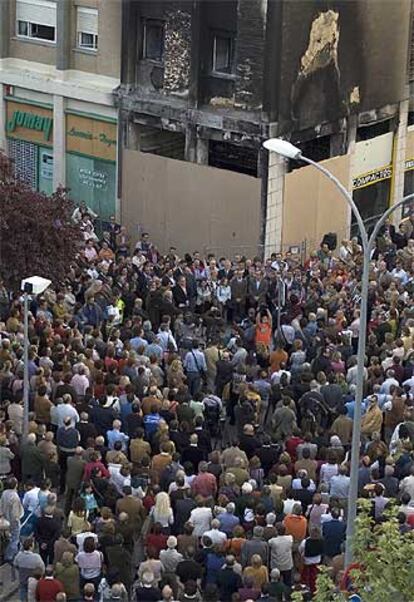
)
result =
(31, 121)
(88, 135)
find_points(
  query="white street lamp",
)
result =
(35, 285)
(289, 151)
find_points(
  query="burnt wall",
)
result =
(172, 76)
(251, 46)
(339, 57)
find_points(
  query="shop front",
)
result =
(409, 172)
(91, 161)
(29, 129)
(372, 178)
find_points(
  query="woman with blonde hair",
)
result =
(257, 571)
(162, 512)
(175, 374)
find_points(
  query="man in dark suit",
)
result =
(238, 287)
(257, 290)
(226, 271)
(180, 293)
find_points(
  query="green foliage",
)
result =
(387, 563)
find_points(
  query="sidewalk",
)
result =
(8, 588)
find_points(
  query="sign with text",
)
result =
(372, 177)
(91, 137)
(29, 122)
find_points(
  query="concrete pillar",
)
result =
(131, 40)
(277, 169)
(3, 141)
(4, 29)
(190, 144)
(202, 151)
(59, 142)
(133, 141)
(399, 155)
(63, 38)
(351, 142)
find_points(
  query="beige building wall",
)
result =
(192, 207)
(28, 50)
(409, 147)
(107, 60)
(312, 206)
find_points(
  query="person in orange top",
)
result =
(106, 252)
(296, 524)
(264, 328)
(277, 357)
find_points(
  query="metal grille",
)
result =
(24, 157)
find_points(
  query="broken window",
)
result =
(153, 40)
(222, 53)
(372, 130)
(317, 149)
(242, 159)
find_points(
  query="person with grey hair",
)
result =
(255, 545)
(217, 536)
(390, 481)
(32, 460)
(228, 520)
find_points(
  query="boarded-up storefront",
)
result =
(313, 206)
(191, 206)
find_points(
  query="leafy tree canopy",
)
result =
(385, 557)
(37, 235)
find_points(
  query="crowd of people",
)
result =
(191, 419)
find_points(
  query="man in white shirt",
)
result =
(216, 536)
(407, 484)
(200, 518)
(66, 409)
(281, 553)
(389, 382)
(31, 498)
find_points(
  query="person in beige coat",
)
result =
(372, 420)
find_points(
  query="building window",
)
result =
(36, 19)
(222, 53)
(153, 40)
(87, 28)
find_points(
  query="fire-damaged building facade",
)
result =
(205, 82)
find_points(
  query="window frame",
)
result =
(161, 24)
(33, 14)
(81, 46)
(94, 30)
(29, 36)
(225, 35)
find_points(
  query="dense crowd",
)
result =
(191, 418)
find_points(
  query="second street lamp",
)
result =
(289, 151)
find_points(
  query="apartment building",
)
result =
(204, 83)
(59, 64)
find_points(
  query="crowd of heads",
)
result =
(190, 418)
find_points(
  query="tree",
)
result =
(386, 558)
(37, 235)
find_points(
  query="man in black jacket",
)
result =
(47, 531)
(228, 581)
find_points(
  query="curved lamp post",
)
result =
(289, 151)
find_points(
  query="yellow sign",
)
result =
(91, 137)
(29, 122)
(372, 177)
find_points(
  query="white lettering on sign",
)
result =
(409, 164)
(93, 179)
(372, 177)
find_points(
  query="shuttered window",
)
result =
(36, 19)
(87, 28)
